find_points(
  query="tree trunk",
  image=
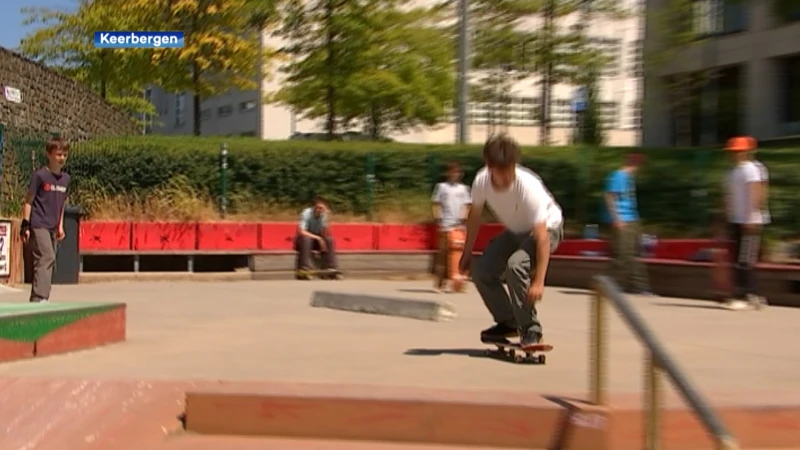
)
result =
(374, 123)
(196, 125)
(683, 112)
(547, 75)
(330, 96)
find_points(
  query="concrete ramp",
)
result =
(437, 311)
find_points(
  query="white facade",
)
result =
(620, 92)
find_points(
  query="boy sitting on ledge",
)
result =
(313, 233)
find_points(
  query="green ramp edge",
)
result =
(30, 327)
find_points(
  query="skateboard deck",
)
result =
(515, 352)
(455, 248)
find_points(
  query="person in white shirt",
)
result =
(534, 229)
(744, 207)
(451, 201)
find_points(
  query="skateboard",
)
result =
(512, 350)
(455, 248)
(324, 274)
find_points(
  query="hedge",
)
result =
(676, 187)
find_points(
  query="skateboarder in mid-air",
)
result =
(534, 228)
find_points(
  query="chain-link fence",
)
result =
(213, 178)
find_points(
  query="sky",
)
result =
(11, 28)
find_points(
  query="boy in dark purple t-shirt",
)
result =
(43, 216)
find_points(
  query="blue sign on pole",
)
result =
(579, 100)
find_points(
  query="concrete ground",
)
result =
(265, 330)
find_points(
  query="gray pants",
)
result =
(515, 255)
(305, 245)
(43, 251)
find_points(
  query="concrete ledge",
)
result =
(369, 413)
(110, 277)
(349, 261)
(504, 419)
(437, 311)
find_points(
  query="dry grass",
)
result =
(178, 200)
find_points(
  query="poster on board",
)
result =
(5, 248)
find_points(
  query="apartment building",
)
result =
(240, 113)
(750, 57)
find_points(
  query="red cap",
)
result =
(741, 144)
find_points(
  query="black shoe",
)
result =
(498, 333)
(530, 338)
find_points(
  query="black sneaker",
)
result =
(498, 333)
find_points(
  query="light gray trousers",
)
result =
(43, 250)
(515, 255)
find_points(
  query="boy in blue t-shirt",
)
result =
(621, 211)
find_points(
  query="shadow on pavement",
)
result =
(690, 305)
(418, 291)
(573, 292)
(470, 352)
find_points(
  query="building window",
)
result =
(147, 119)
(561, 115)
(180, 109)
(225, 111)
(635, 59)
(609, 114)
(635, 115)
(611, 48)
(710, 17)
(205, 114)
(791, 88)
(247, 106)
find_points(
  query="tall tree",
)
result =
(550, 52)
(64, 41)
(371, 63)
(222, 45)
(406, 75)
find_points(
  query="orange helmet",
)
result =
(741, 144)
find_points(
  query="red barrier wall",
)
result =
(398, 237)
(355, 236)
(279, 236)
(164, 236)
(227, 236)
(105, 236)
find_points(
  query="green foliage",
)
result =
(372, 64)
(222, 49)
(290, 173)
(65, 41)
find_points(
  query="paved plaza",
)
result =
(266, 330)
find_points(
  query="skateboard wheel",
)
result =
(542, 359)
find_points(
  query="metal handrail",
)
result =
(658, 363)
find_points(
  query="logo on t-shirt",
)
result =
(49, 187)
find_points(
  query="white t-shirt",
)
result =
(738, 190)
(525, 203)
(763, 173)
(452, 197)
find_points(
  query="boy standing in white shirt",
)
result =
(744, 204)
(534, 228)
(451, 201)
